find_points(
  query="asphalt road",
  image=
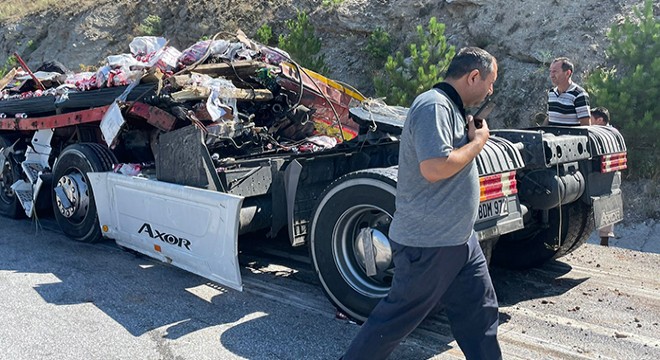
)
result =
(65, 300)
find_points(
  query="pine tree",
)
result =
(630, 87)
(302, 44)
(405, 76)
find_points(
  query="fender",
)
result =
(191, 228)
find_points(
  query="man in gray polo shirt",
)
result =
(437, 256)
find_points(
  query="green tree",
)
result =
(152, 25)
(264, 34)
(630, 87)
(379, 46)
(427, 59)
(302, 43)
(11, 63)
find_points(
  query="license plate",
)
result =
(493, 208)
(608, 209)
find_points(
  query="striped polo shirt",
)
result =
(568, 107)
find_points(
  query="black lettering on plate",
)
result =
(164, 237)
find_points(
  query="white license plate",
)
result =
(493, 208)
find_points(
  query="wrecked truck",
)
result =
(174, 154)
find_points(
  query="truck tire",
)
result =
(11, 172)
(357, 202)
(79, 221)
(536, 244)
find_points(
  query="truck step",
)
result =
(32, 170)
(23, 191)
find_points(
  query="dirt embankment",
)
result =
(524, 35)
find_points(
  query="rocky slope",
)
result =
(523, 35)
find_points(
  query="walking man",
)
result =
(437, 256)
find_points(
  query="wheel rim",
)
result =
(74, 187)
(6, 180)
(349, 249)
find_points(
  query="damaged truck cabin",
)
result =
(174, 154)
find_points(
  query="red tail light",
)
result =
(498, 185)
(613, 162)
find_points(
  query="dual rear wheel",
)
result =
(10, 206)
(539, 242)
(73, 198)
(350, 225)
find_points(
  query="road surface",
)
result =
(64, 300)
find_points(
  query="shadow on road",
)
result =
(143, 295)
(146, 296)
(514, 286)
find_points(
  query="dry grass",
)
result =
(15, 9)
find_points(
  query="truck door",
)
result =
(191, 228)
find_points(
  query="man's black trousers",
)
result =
(455, 277)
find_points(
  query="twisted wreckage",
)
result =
(174, 154)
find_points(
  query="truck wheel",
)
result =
(9, 204)
(536, 244)
(73, 200)
(353, 208)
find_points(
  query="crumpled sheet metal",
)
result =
(323, 94)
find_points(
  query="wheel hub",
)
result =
(372, 249)
(362, 250)
(72, 196)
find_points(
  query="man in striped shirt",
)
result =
(568, 103)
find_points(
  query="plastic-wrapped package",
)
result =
(165, 59)
(62, 92)
(144, 45)
(82, 81)
(323, 141)
(125, 60)
(42, 76)
(237, 51)
(122, 76)
(102, 76)
(196, 51)
(117, 77)
(219, 48)
(220, 108)
(129, 169)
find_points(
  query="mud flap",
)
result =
(191, 228)
(608, 209)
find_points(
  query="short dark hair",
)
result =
(566, 64)
(601, 112)
(468, 59)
